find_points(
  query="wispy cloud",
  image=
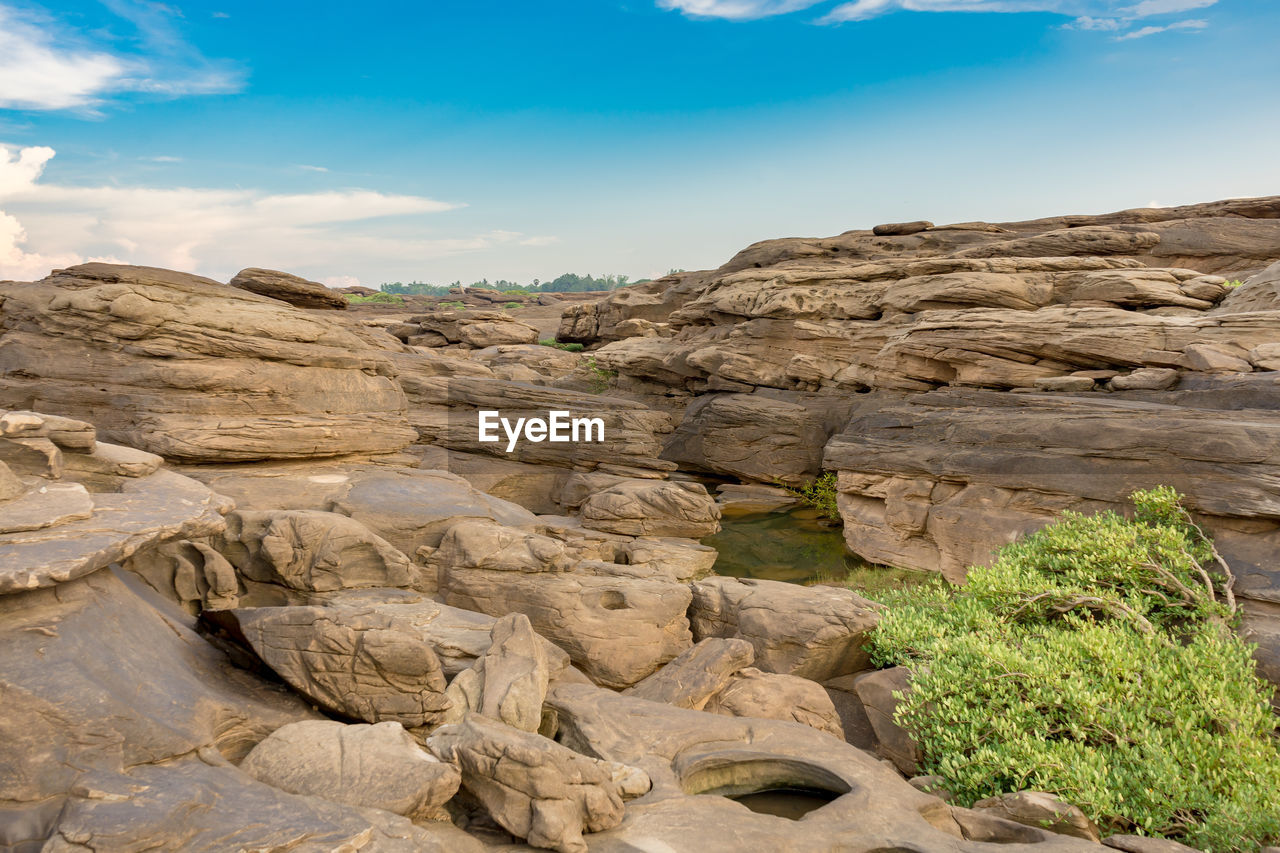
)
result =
(307, 168)
(214, 231)
(1143, 32)
(163, 158)
(47, 66)
(1104, 15)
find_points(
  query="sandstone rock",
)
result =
(190, 573)
(813, 632)
(901, 229)
(191, 369)
(373, 766)
(508, 682)
(199, 804)
(1215, 359)
(94, 679)
(752, 693)
(474, 329)
(1259, 293)
(653, 508)
(312, 551)
(10, 486)
(415, 508)
(752, 498)
(750, 436)
(535, 788)
(1145, 379)
(696, 761)
(617, 630)
(696, 674)
(1142, 844)
(363, 663)
(1038, 809)
(286, 287)
(876, 690)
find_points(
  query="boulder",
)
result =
(190, 369)
(508, 682)
(372, 766)
(813, 632)
(617, 630)
(697, 674)
(901, 229)
(876, 692)
(533, 787)
(652, 508)
(362, 663)
(297, 291)
(752, 693)
(1038, 809)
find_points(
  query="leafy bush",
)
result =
(1094, 659)
(380, 298)
(456, 306)
(549, 342)
(511, 306)
(1233, 284)
(600, 377)
(821, 495)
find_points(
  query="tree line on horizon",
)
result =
(567, 283)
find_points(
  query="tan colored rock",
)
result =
(474, 329)
(876, 690)
(1145, 379)
(508, 683)
(191, 369)
(372, 766)
(752, 693)
(312, 551)
(652, 508)
(1209, 358)
(290, 288)
(812, 632)
(1041, 810)
(362, 663)
(533, 787)
(901, 229)
(697, 674)
(617, 630)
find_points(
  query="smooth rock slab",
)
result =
(145, 511)
(508, 682)
(696, 674)
(378, 766)
(813, 632)
(295, 290)
(652, 508)
(752, 693)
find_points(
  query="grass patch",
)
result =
(551, 342)
(1095, 660)
(374, 298)
(601, 377)
(879, 582)
(452, 306)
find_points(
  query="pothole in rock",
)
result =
(783, 787)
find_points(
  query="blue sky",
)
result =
(465, 140)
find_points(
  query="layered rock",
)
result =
(286, 287)
(470, 330)
(190, 369)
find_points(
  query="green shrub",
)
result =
(511, 306)
(821, 495)
(601, 377)
(1094, 659)
(456, 306)
(515, 291)
(1233, 284)
(379, 298)
(550, 342)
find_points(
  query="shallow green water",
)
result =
(797, 546)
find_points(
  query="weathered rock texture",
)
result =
(535, 788)
(508, 682)
(290, 288)
(378, 766)
(191, 369)
(994, 375)
(470, 330)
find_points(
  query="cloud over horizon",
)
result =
(210, 231)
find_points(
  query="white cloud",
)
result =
(214, 231)
(1150, 31)
(340, 281)
(46, 67)
(1147, 8)
(307, 168)
(1089, 14)
(736, 10)
(540, 241)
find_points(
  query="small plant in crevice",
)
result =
(601, 377)
(819, 494)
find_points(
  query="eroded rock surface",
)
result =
(286, 287)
